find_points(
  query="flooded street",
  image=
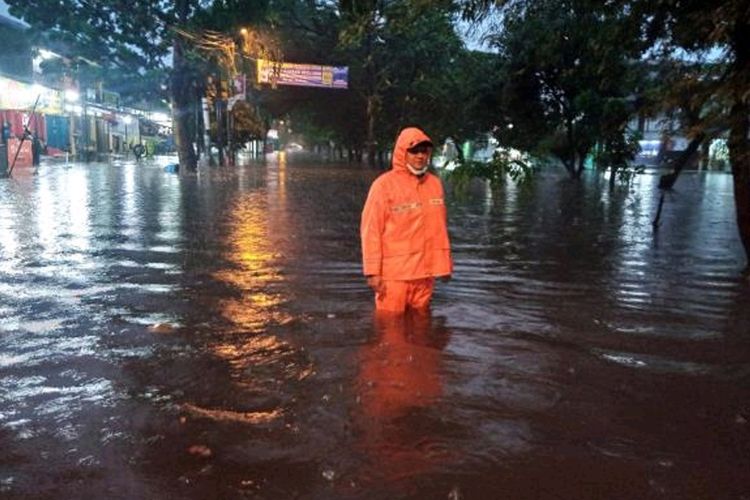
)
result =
(211, 336)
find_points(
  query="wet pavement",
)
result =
(210, 336)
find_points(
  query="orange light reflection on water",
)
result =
(253, 269)
(259, 359)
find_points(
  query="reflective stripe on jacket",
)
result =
(404, 222)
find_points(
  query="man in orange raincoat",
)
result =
(404, 231)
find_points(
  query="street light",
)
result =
(72, 95)
(70, 99)
(127, 120)
(245, 42)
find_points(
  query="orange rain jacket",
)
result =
(404, 223)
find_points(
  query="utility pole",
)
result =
(230, 151)
(220, 138)
(206, 108)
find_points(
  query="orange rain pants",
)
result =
(397, 296)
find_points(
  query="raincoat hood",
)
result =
(408, 138)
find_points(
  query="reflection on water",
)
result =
(211, 336)
(252, 268)
(399, 371)
(399, 383)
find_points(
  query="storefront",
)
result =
(63, 121)
(23, 107)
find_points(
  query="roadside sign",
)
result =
(303, 75)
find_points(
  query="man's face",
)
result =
(419, 156)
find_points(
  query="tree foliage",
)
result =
(719, 33)
(120, 42)
(567, 77)
(407, 65)
(696, 56)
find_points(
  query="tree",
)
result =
(406, 65)
(15, 58)
(362, 36)
(709, 31)
(433, 81)
(249, 124)
(309, 33)
(712, 35)
(566, 79)
(180, 88)
(110, 40)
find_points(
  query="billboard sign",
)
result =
(303, 75)
(239, 84)
(22, 96)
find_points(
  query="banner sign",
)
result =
(303, 75)
(239, 84)
(110, 98)
(21, 96)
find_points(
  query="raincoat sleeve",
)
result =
(371, 232)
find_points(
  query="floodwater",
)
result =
(211, 336)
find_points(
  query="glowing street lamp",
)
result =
(72, 95)
(127, 120)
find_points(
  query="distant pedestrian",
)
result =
(6, 134)
(36, 149)
(405, 243)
